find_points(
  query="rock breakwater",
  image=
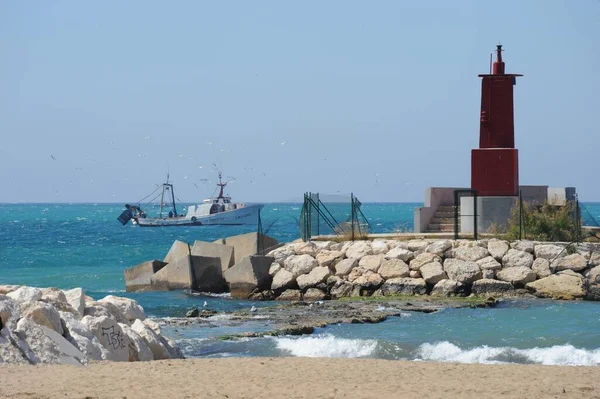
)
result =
(330, 270)
(49, 325)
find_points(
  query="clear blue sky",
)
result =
(380, 98)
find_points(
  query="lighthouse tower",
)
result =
(495, 189)
(494, 165)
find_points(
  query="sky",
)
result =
(100, 100)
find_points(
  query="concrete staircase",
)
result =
(443, 220)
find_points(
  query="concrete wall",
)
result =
(434, 197)
(490, 211)
(537, 194)
(560, 195)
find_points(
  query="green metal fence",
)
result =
(332, 215)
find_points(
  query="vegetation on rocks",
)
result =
(544, 222)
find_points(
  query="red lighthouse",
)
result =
(494, 165)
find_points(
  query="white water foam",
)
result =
(327, 346)
(563, 355)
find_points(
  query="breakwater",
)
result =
(324, 270)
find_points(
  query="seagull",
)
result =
(205, 304)
(283, 143)
(310, 306)
(253, 309)
(319, 302)
(52, 156)
(196, 185)
(147, 138)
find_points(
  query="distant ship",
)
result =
(212, 211)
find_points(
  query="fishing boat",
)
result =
(212, 211)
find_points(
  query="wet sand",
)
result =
(298, 378)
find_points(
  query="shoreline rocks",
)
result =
(51, 326)
(435, 267)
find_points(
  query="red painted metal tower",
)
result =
(494, 165)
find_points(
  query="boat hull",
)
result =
(241, 216)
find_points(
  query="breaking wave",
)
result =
(562, 355)
(327, 346)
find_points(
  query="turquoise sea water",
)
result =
(83, 245)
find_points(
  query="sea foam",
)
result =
(327, 346)
(563, 355)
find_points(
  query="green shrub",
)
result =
(545, 222)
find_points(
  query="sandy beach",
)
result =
(297, 378)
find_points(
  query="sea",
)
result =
(83, 245)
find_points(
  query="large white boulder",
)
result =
(489, 263)
(465, 272)
(516, 258)
(523, 245)
(558, 286)
(76, 298)
(358, 249)
(108, 309)
(575, 262)
(329, 258)
(25, 294)
(130, 308)
(9, 309)
(470, 253)
(282, 253)
(392, 268)
(417, 245)
(549, 251)
(438, 247)
(78, 334)
(400, 253)
(43, 345)
(43, 314)
(152, 340)
(283, 279)
(498, 248)
(371, 262)
(9, 353)
(379, 247)
(316, 276)
(275, 267)
(433, 272)
(110, 335)
(423, 259)
(300, 264)
(368, 279)
(138, 350)
(54, 296)
(518, 275)
(344, 267)
(542, 267)
(305, 248)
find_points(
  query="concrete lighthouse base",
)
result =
(492, 213)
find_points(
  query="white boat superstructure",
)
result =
(215, 211)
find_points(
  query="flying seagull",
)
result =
(52, 156)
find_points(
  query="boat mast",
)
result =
(173, 199)
(222, 185)
(162, 195)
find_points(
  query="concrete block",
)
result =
(249, 274)
(490, 210)
(178, 249)
(534, 194)
(224, 252)
(199, 273)
(246, 244)
(137, 278)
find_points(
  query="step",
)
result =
(442, 220)
(445, 208)
(433, 227)
(445, 215)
